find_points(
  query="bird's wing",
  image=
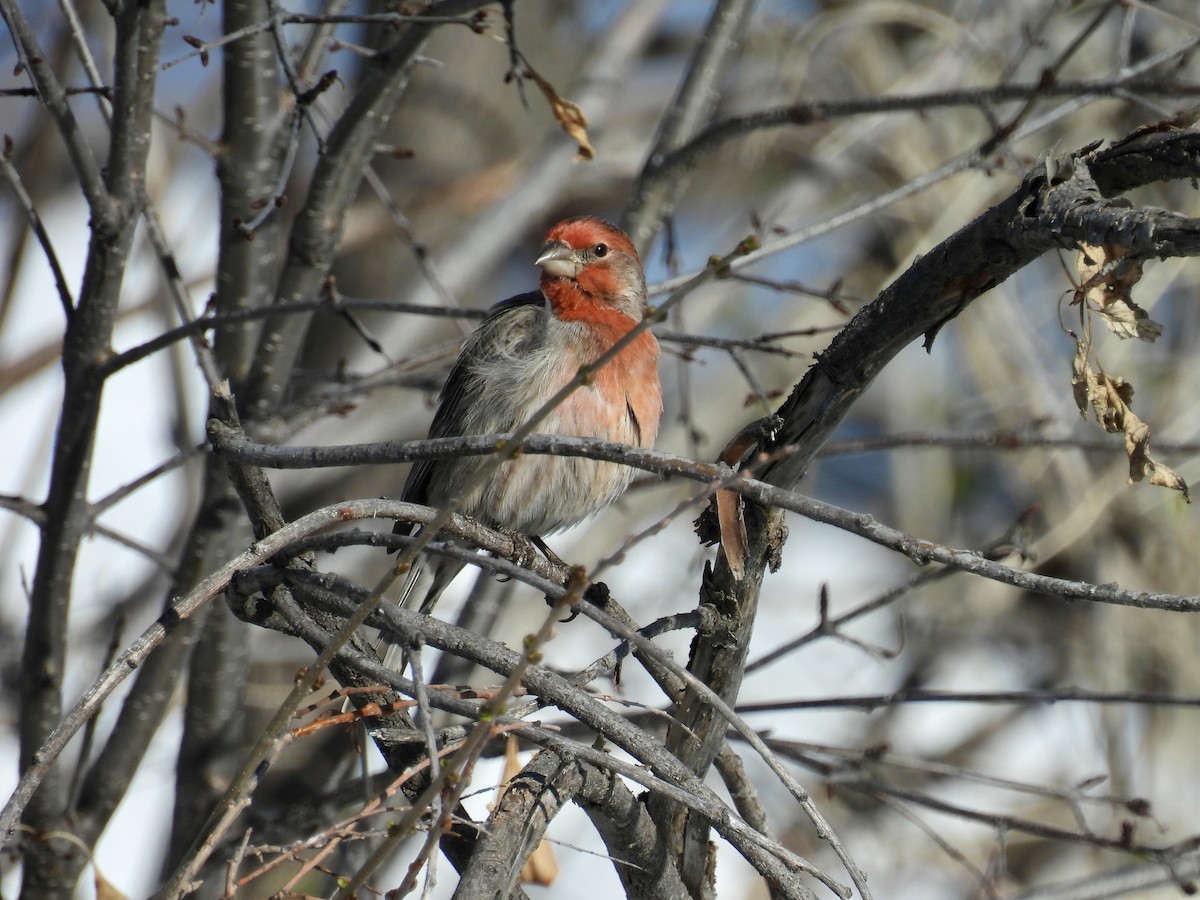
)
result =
(486, 342)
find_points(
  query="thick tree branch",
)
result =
(1061, 203)
(247, 169)
(516, 826)
(632, 838)
(1057, 205)
(87, 341)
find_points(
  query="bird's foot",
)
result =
(546, 551)
(525, 550)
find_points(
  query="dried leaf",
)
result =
(1109, 398)
(1142, 466)
(1081, 379)
(570, 117)
(733, 531)
(104, 889)
(540, 866)
(1107, 275)
(734, 541)
(1112, 399)
(512, 765)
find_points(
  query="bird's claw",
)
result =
(596, 593)
(524, 550)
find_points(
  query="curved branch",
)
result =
(775, 863)
(531, 801)
(1060, 203)
(629, 833)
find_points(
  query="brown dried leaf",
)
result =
(104, 889)
(512, 765)
(1082, 378)
(1142, 466)
(1109, 397)
(570, 117)
(734, 540)
(1107, 276)
(540, 866)
(1112, 401)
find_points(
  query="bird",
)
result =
(592, 292)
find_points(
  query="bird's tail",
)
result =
(429, 576)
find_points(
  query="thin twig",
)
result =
(13, 177)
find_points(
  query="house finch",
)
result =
(530, 346)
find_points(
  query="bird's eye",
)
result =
(601, 250)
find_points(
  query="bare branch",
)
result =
(317, 230)
(13, 177)
(658, 189)
(1056, 205)
(53, 95)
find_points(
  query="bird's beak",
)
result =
(558, 259)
